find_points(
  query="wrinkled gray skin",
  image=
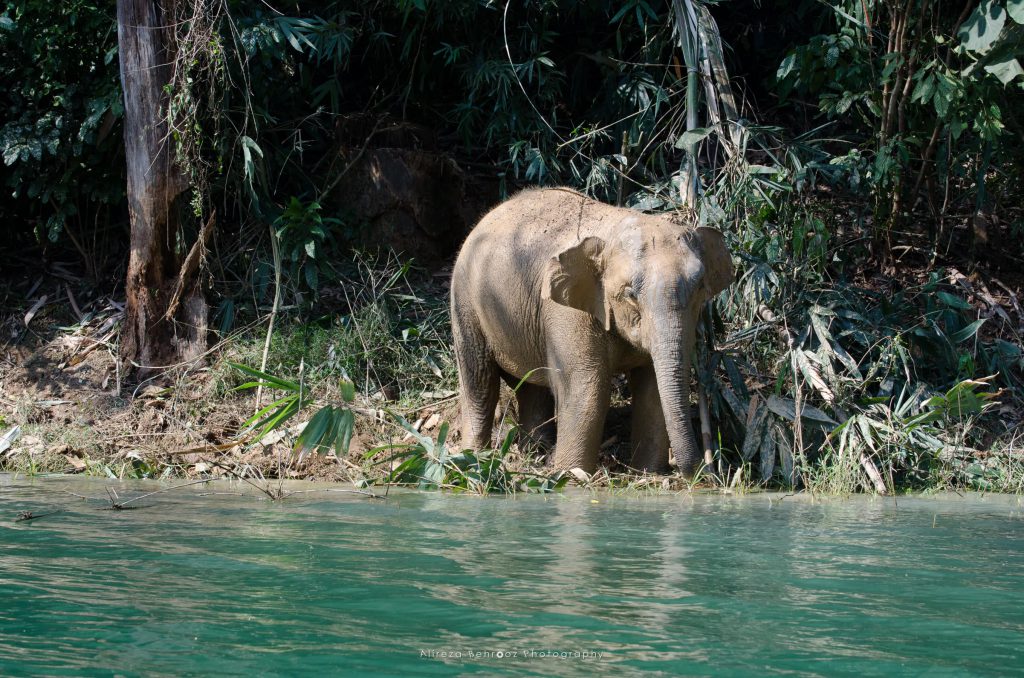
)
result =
(572, 291)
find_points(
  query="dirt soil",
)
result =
(74, 412)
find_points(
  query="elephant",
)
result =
(558, 292)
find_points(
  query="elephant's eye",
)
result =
(629, 294)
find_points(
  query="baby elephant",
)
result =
(570, 291)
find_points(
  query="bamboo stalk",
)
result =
(276, 250)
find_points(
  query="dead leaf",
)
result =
(77, 463)
(35, 309)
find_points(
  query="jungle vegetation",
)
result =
(863, 157)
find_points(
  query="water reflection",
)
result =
(681, 584)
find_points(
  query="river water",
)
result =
(196, 583)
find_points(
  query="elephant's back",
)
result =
(534, 220)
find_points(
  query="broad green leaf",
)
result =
(982, 28)
(1006, 70)
(1015, 8)
(924, 89)
(786, 67)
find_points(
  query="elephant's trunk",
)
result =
(671, 358)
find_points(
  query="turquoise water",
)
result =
(329, 583)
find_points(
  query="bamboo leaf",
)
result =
(343, 435)
(755, 432)
(692, 137)
(833, 346)
(785, 455)
(767, 454)
(426, 441)
(277, 382)
(968, 332)
(786, 408)
(813, 375)
(314, 432)
(348, 389)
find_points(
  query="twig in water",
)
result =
(29, 515)
(365, 493)
(117, 505)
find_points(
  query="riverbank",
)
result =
(66, 404)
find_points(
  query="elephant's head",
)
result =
(647, 285)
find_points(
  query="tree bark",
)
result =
(154, 335)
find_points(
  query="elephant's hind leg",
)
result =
(478, 385)
(536, 406)
(649, 441)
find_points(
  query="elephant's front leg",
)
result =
(649, 441)
(581, 401)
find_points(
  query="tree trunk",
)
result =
(162, 325)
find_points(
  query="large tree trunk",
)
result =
(163, 325)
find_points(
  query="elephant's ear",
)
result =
(718, 271)
(574, 279)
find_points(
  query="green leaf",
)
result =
(982, 28)
(343, 435)
(967, 332)
(442, 435)
(953, 301)
(426, 441)
(693, 136)
(348, 388)
(276, 382)
(1015, 8)
(786, 67)
(278, 404)
(925, 88)
(786, 408)
(315, 430)
(763, 169)
(1006, 71)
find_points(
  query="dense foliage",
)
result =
(63, 164)
(871, 135)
